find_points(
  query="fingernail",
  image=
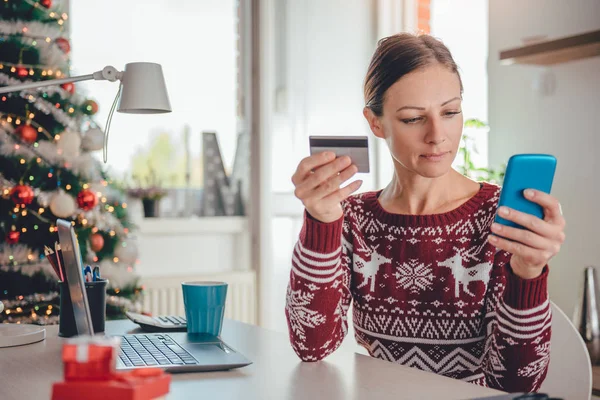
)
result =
(329, 154)
(529, 193)
(492, 239)
(496, 226)
(503, 211)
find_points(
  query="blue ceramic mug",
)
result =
(204, 306)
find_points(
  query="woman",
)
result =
(435, 283)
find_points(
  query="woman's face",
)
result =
(422, 120)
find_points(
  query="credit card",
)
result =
(355, 147)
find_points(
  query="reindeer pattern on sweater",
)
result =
(426, 291)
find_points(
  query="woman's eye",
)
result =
(412, 120)
(452, 113)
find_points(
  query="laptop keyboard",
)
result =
(152, 350)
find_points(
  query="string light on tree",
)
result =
(22, 72)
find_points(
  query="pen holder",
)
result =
(96, 294)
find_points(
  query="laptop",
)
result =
(172, 351)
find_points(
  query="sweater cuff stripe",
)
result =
(311, 268)
(522, 327)
(525, 313)
(319, 256)
(522, 336)
(296, 271)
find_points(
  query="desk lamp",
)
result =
(142, 90)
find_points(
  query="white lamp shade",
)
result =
(144, 90)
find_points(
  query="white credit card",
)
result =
(355, 147)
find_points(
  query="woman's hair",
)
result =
(398, 55)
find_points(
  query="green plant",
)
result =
(149, 187)
(466, 150)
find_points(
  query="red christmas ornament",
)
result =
(22, 195)
(63, 44)
(86, 200)
(46, 3)
(96, 242)
(13, 237)
(27, 133)
(22, 72)
(90, 107)
(69, 87)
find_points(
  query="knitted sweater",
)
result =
(428, 291)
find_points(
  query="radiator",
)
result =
(163, 296)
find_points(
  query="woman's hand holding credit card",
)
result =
(318, 181)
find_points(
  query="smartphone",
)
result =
(526, 171)
(355, 147)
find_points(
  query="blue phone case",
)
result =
(526, 171)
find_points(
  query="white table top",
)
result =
(27, 372)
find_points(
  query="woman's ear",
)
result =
(374, 122)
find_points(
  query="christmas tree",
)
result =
(47, 171)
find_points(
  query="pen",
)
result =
(88, 273)
(96, 274)
(60, 261)
(49, 253)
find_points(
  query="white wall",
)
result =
(566, 124)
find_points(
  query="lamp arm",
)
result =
(108, 73)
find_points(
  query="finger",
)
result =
(531, 255)
(342, 193)
(323, 173)
(333, 183)
(523, 236)
(308, 164)
(552, 208)
(528, 221)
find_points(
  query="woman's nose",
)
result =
(435, 131)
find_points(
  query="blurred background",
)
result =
(265, 75)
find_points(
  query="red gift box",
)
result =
(90, 373)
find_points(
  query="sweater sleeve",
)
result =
(518, 327)
(318, 293)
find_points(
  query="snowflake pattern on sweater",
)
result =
(426, 291)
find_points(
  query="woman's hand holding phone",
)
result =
(318, 181)
(533, 247)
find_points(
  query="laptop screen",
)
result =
(73, 269)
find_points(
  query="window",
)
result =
(463, 27)
(196, 44)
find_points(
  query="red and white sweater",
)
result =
(428, 291)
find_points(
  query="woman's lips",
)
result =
(434, 156)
